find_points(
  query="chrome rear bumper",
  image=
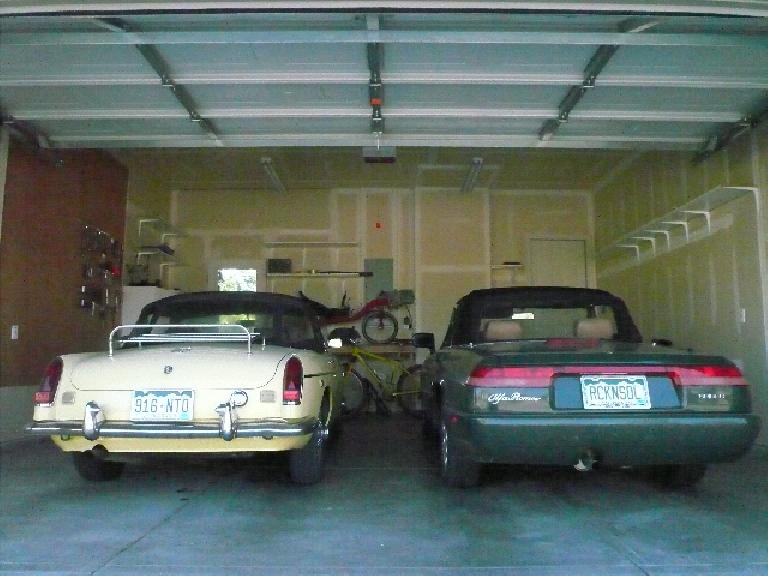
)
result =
(94, 426)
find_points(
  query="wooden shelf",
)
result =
(398, 350)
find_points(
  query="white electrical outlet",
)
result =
(15, 332)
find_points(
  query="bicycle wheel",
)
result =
(354, 393)
(380, 327)
(409, 391)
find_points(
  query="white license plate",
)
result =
(162, 405)
(615, 392)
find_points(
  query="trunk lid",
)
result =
(577, 352)
(179, 367)
(570, 374)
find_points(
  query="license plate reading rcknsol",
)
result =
(162, 405)
(615, 392)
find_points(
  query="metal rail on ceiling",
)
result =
(426, 36)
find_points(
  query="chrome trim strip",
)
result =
(215, 333)
(245, 429)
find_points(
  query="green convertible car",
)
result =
(560, 376)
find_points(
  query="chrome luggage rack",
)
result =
(211, 333)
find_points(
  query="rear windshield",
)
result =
(540, 313)
(503, 323)
(282, 326)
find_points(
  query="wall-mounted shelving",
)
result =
(314, 275)
(153, 237)
(658, 233)
(159, 226)
(311, 244)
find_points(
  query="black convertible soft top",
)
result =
(223, 301)
(284, 326)
(469, 307)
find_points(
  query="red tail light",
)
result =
(709, 376)
(509, 376)
(292, 380)
(50, 383)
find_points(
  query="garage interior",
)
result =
(450, 145)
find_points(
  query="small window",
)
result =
(236, 279)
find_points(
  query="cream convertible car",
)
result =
(209, 372)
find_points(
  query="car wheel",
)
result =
(355, 393)
(306, 464)
(679, 475)
(95, 469)
(457, 468)
(430, 429)
(409, 391)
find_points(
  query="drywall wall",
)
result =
(708, 292)
(438, 240)
(442, 242)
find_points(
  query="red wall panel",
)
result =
(46, 205)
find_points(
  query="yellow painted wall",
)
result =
(442, 242)
(707, 294)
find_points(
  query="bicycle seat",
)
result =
(338, 311)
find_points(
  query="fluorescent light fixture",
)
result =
(471, 178)
(274, 179)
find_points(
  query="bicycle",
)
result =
(368, 383)
(378, 324)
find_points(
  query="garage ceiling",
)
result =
(615, 76)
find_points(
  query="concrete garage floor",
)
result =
(381, 510)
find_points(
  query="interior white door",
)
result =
(555, 262)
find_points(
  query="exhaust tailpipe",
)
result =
(586, 461)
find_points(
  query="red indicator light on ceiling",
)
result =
(376, 101)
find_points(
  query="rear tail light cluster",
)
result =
(511, 377)
(293, 377)
(708, 376)
(541, 376)
(50, 383)
(713, 389)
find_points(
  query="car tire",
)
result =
(409, 391)
(679, 475)
(457, 468)
(355, 392)
(430, 428)
(94, 469)
(306, 464)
